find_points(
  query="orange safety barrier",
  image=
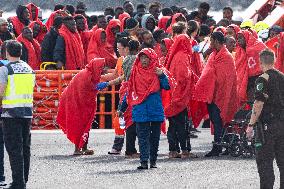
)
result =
(49, 86)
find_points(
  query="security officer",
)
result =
(17, 81)
(268, 109)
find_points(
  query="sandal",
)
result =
(77, 153)
(88, 152)
(191, 155)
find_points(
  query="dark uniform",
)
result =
(270, 90)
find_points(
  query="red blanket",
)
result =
(110, 36)
(52, 16)
(247, 62)
(236, 29)
(168, 42)
(42, 33)
(221, 29)
(196, 63)
(280, 54)
(85, 38)
(99, 49)
(78, 103)
(34, 53)
(30, 6)
(122, 18)
(143, 81)
(75, 57)
(162, 24)
(272, 43)
(174, 17)
(17, 24)
(123, 15)
(178, 64)
(218, 84)
(157, 49)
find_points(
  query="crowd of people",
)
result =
(170, 64)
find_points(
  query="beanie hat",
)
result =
(219, 36)
(131, 23)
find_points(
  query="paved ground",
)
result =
(54, 168)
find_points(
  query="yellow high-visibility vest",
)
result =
(20, 86)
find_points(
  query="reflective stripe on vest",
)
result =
(19, 91)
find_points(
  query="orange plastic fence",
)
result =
(49, 86)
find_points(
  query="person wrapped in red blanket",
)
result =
(34, 12)
(122, 18)
(100, 48)
(162, 24)
(21, 20)
(196, 62)
(78, 104)
(31, 49)
(112, 29)
(166, 44)
(280, 53)
(69, 53)
(50, 20)
(178, 64)
(39, 30)
(85, 34)
(217, 86)
(145, 83)
(178, 17)
(247, 64)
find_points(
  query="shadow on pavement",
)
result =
(58, 157)
(119, 172)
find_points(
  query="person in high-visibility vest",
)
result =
(17, 80)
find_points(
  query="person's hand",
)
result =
(276, 45)
(59, 65)
(159, 71)
(196, 48)
(101, 86)
(249, 132)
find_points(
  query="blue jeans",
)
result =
(148, 134)
(2, 177)
(215, 117)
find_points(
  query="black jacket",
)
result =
(25, 54)
(48, 46)
(59, 50)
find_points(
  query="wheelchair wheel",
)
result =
(248, 149)
(236, 149)
(248, 152)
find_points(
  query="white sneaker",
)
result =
(114, 152)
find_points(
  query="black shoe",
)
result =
(11, 186)
(215, 152)
(195, 130)
(153, 165)
(144, 165)
(212, 154)
(225, 153)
